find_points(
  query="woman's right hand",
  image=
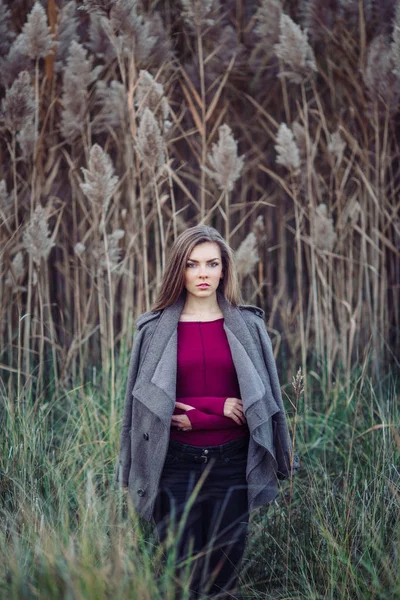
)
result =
(233, 408)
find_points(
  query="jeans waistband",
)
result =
(222, 451)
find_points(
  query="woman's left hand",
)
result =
(182, 422)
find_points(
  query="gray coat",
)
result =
(151, 395)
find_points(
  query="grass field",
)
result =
(66, 532)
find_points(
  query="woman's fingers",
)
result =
(233, 408)
(184, 406)
(182, 422)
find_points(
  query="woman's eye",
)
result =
(214, 264)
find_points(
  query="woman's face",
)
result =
(204, 266)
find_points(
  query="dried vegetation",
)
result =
(124, 121)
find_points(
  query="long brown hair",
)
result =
(173, 282)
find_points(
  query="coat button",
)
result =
(146, 436)
(140, 492)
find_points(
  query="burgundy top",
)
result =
(206, 377)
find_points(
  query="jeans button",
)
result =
(146, 436)
(140, 492)
(205, 451)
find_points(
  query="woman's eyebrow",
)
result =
(196, 261)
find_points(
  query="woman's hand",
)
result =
(233, 408)
(182, 422)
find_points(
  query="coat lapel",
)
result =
(156, 385)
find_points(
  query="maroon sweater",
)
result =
(206, 377)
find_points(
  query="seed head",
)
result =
(67, 32)
(36, 237)
(150, 94)
(268, 18)
(337, 146)
(247, 256)
(324, 235)
(36, 36)
(286, 147)
(149, 142)
(98, 7)
(379, 74)
(294, 51)
(132, 31)
(100, 181)
(195, 12)
(27, 140)
(259, 230)
(114, 107)
(6, 33)
(17, 272)
(5, 200)
(395, 46)
(19, 103)
(298, 383)
(79, 248)
(78, 76)
(14, 63)
(227, 165)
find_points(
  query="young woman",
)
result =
(204, 436)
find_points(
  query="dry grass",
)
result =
(217, 94)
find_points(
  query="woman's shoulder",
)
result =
(250, 311)
(146, 317)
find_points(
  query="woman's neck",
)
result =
(201, 307)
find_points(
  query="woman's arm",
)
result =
(201, 420)
(211, 405)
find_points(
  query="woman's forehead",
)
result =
(205, 251)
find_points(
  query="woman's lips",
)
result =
(203, 285)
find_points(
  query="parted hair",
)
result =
(173, 282)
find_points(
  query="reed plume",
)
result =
(324, 235)
(379, 74)
(226, 164)
(150, 94)
(114, 111)
(337, 146)
(14, 63)
(27, 140)
(149, 142)
(110, 256)
(100, 181)
(16, 273)
(246, 256)
(99, 7)
(395, 45)
(196, 12)
(67, 32)
(286, 147)
(5, 201)
(36, 38)
(78, 76)
(36, 237)
(6, 33)
(294, 51)
(19, 104)
(79, 248)
(132, 32)
(267, 20)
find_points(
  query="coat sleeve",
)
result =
(288, 461)
(123, 465)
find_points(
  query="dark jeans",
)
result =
(210, 526)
